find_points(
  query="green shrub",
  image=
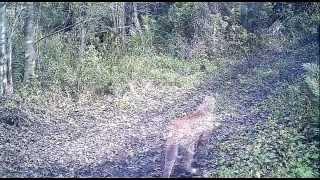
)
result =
(162, 69)
(286, 144)
(111, 73)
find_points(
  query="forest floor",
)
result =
(123, 137)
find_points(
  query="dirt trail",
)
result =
(99, 140)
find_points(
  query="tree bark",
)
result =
(136, 19)
(30, 55)
(3, 54)
(83, 32)
(244, 14)
(68, 16)
(9, 66)
(2, 49)
(82, 41)
(119, 21)
(10, 32)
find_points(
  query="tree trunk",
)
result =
(128, 17)
(82, 41)
(3, 55)
(122, 20)
(136, 19)
(137, 24)
(68, 16)
(123, 24)
(30, 63)
(119, 22)
(83, 31)
(9, 66)
(9, 89)
(244, 14)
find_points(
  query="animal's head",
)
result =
(208, 103)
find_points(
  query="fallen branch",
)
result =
(56, 32)
(76, 24)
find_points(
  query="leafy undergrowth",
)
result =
(110, 74)
(275, 127)
(285, 144)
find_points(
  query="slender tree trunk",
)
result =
(81, 55)
(83, 32)
(128, 19)
(30, 55)
(2, 47)
(9, 89)
(36, 18)
(67, 15)
(3, 78)
(82, 41)
(138, 28)
(136, 19)
(119, 22)
(244, 14)
(9, 66)
(123, 24)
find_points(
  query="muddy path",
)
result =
(99, 140)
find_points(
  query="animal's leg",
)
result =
(189, 158)
(171, 155)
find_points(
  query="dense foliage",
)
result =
(97, 49)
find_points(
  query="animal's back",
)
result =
(186, 130)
